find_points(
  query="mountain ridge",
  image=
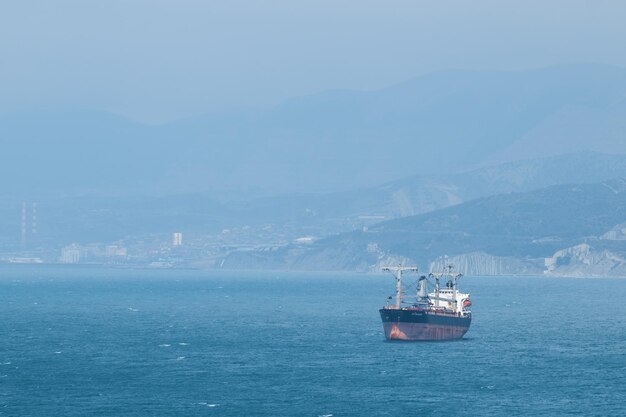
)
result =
(444, 122)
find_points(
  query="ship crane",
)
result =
(398, 270)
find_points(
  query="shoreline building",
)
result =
(70, 254)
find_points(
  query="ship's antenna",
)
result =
(398, 272)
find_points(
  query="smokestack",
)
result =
(23, 224)
(422, 288)
(34, 222)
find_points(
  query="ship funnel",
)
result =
(422, 287)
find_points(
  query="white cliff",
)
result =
(616, 233)
(583, 261)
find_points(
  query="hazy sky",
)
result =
(161, 60)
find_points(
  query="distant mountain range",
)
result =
(475, 165)
(442, 123)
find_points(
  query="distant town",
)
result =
(154, 250)
(175, 249)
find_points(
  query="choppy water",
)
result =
(88, 342)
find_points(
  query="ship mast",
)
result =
(453, 279)
(398, 271)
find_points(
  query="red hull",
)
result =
(423, 331)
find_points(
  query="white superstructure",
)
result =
(449, 297)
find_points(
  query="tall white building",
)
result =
(177, 239)
(70, 255)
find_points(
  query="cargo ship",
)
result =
(444, 314)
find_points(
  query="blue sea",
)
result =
(78, 341)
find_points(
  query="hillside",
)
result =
(423, 193)
(522, 228)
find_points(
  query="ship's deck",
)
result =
(434, 311)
